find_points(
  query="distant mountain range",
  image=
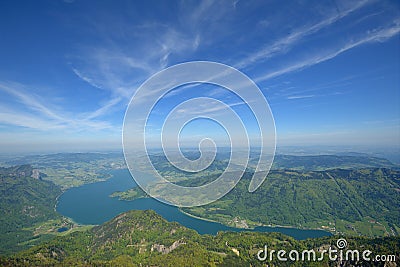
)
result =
(346, 160)
(324, 162)
(306, 163)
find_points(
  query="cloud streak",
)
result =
(300, 97)
(377, 35)
(284, 44)
(40, 117)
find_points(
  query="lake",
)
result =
(91, 204)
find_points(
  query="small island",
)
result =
(129, 195)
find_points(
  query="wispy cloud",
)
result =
(208, 108)
(22, 119)
(300, 96)
(376, 35)
(103, 109)
(121, 70)
(27, 100)
(284, 44)
(202, 11)
(86, 79)
(36, 115)
(111, 70)
(331, 88)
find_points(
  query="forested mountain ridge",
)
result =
(24, 170)
(144, 238)
(352, 194)
(25, 202)
(361, 201)
(352, 202)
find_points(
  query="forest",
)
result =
(144, 238)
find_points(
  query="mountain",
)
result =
(71, 169)
(352, 194)
(352, 202)
(133, 236)
(348, 160)
(324, 162)
(348, 202)
(144, 238)
(25, 203)
(63, 158)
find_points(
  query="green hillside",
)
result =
(25, 204)
(343, 201)
(360, 204)
(143, 238)
(352, 202)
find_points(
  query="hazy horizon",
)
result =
(287, 150)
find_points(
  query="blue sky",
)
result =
(329, 69)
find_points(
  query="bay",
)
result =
(91, 204)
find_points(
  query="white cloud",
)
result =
(86, 79)
(20, 119)
(209, 109)
(39, 116)
(103, 109)
(376, 35)
(29, 101)
(284, 44)
(300, 96)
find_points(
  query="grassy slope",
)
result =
(355, 202)
(25, 203)
(128, 239)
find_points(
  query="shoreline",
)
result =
(63, 190)
(200, 218)
(253, 228)
(295, 227)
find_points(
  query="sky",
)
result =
(68, 69)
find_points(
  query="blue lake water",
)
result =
(91, 204)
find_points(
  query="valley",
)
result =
(359, 202)
(143, 238)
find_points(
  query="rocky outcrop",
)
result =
(35, 174)
(165, 250)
